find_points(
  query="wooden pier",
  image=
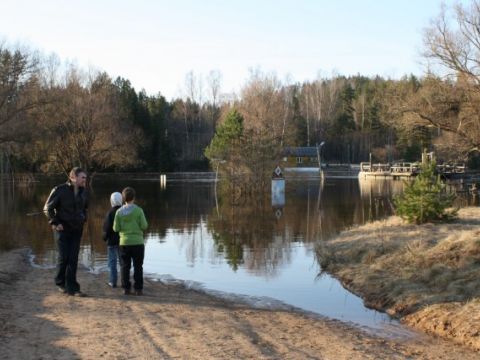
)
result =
(405, 170)
(388, 171)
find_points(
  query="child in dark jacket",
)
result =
(112, 238)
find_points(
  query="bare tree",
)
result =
(85, 125)
(306, 96)
(318, 100)
(287, 112)
(453, 43)
(19, 91)
(193, 88)
(448, 99)
(214, 81)
(262, 104)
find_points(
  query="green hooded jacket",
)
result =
(130, 223)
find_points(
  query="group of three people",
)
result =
(66, 209)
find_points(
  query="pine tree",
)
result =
(225, 135)
(425, 199)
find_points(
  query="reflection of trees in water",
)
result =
(245, 233)
(32, 230)
(23, 223)
(252, 236)
(182, 210)
(8, 228)
(320, 210)
(316, 211)
(17, 228)
(304, 217)
(466, 192)
(266, 260)
(245, 229)
(92, 242)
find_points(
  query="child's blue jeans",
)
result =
(112, 251)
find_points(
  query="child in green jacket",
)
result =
(130, 223)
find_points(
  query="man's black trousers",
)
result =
(68, 245)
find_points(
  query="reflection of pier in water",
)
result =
(376, 196)
(316, 208)
(380, 187)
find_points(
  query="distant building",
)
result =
(305, 156)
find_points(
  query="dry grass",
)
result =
(402, 268)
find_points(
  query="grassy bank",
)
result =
(426, 275)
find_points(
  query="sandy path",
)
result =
(170, 322)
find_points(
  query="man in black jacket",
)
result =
(66, 209)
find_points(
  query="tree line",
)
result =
(54, 116)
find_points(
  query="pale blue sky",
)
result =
(155, 43)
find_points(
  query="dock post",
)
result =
(163, 181)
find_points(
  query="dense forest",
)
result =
(54, 116)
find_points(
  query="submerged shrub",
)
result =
(425, 199)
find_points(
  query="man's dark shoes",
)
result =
(139, 292)
(126, 292)
(112, 285)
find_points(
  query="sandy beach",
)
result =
(172, 322)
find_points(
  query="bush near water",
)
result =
(425, 199)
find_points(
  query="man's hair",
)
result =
(76, 171)
(128, 194)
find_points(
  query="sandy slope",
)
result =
(170, 322)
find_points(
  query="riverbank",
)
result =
(172, 322)
(427, 275)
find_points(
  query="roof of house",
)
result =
(302, 151)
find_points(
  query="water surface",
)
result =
(234, 246)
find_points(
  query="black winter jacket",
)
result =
(110, 236)
(63, 207)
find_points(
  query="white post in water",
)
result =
(163, 181)
(278, 188)
(319, 156)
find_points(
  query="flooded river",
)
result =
(238, 248)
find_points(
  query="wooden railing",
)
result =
(407, 169)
